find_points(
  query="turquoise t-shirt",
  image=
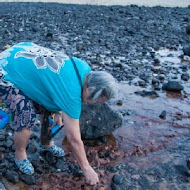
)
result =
(48, 77)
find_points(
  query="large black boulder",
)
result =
(98, 120)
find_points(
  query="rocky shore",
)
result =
(147, 49)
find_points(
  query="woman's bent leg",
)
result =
(21, 139)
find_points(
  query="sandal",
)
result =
(24, 166)
(55, 150)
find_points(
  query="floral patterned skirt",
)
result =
(23, 109)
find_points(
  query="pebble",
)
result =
(12, 176)
(2, 187)
(163, 115)
(117, 179)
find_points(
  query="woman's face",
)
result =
(101, 99)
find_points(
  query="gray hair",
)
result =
(101, 84)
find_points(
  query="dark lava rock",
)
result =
(103, 139)
(31, 148)
(9, 143)
(115, 187)
(60, 164)
(98, 143)
(98, 120)
(50, 158)
(2, 187)
(28, 179)
(113, 169)
(183, 170)
(173, 86)
(2, 137)
(188, 163)
(188, 29)
(117, 179)
(119, 102)
(12, 176)
(163, 114)
(75, 169)
(185, 76)
(147, 93)
(186, 50)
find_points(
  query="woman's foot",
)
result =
(55, 150)
(24, 166)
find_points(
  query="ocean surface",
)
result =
(168, 3)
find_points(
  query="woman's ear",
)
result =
(90, 90)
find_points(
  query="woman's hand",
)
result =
(91, 176)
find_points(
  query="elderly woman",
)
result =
(34, 79)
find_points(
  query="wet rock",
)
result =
(113, 169)
(28, 179)
(173, 86)
(75, 169)
(188, 163)
(50, 158)
(119, 102)
(31, 148)
(60, 164)
(186, 50)
(163, 115)
(12, 176)
(147, 93)
(117, 179)
(98, 120)
(156, 62)
(188, 29)
(97, 143)
(185, 76)
(115, 187)
(8, 143)
(103, 139)
(49, 35)
(183, 170)
(2, 187)
(2, 137)
(142, 83)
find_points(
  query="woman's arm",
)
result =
(72, 130)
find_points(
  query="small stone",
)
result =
(185, 76)
(31, 148)
(186, 50)
(119, 102)
(113, 169)
(79, 47)
(6, 47)
(117, 179)
(9, 143)
(115, 187)
(163, 114)
(49, 35)
(188, 29)
(188, 163)
(28, 179)
(2, 137)
(97, 143)
(2, 187)
(156, 62)
(12, 176)
(103, 139)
